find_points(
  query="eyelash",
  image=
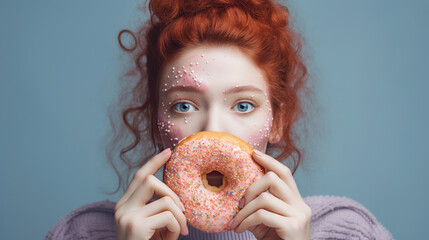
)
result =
(173, 105)
(253, 104)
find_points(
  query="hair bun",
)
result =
(165, 11)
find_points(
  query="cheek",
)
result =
(258, 138)
(170, 133)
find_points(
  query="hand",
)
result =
(138, 218)
(280, 212)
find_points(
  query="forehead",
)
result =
(210, 67)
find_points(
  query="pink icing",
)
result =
(207, 210)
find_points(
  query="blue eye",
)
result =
(243, 107)
(184, 107)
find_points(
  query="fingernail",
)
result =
(241, 204)
(257, 153)
(231, 222)
(182, 207)
(166, 152)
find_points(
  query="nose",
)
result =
(214, 121)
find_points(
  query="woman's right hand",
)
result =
(138, 218)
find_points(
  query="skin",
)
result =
(224, 92)
(216, 89)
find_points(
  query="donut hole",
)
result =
(214, 180)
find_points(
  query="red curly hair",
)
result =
(260, 28)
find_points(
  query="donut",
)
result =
(210, 172)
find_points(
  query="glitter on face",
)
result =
(169, 134)
(258, 138)
(211, 78)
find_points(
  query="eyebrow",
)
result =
(247, 88)
(183, 89)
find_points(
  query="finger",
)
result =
(264, 201)
(269, 219)
(119, 233)
(280, 169)
(151, 186)
(132, 226)
(150, 168)
(271, 182)
(166, 204)
(164, 219)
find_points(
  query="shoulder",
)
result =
(343, 218)
(91, 221)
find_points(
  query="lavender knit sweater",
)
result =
(332, 218)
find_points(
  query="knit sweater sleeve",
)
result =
(332, 218)
(91, 221)
(336, 217)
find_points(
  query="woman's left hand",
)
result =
(280, 212)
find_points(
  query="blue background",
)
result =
(60, 64)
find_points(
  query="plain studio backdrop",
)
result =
(60, 64)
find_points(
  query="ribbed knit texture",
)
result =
(332, 218)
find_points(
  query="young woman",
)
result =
(225, 66)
